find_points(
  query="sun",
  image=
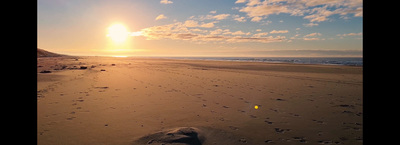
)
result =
(118, 33)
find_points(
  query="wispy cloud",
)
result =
(351, 34)
(159, 17)
(279, 31)
(193, 23)
(240, 1)
(166, 2)
(312, 36)
(221, 16)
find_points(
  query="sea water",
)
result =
(351, 61)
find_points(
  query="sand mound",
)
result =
(190, 136)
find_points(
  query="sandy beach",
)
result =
(125, 101)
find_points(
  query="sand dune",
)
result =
(125, 101)
(44, 53)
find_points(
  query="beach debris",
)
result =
(102, 70)
(83, 67)
(112, 64)
(45, 71)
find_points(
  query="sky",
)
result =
(202, 28)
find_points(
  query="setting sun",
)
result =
(118, 33)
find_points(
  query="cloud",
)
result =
(312, 10)
(166, 2)
(256, 19)
(221, 16)
(313, 34)
(207, 25)
(239, 19)
(264, 10)
(308, 39)
(310, 24)
(213, 12)
(240, 1)
(260, 34)
(181, 31)
(159, 17)
(279, 31)
(351, 34)
(238, 33)
(139, 33)
(211, 17)
(191, 23)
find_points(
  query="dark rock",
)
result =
(182, 135)
(83, 67)
(45, 71)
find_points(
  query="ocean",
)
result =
(350, 61)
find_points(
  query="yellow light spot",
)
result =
(256, 107)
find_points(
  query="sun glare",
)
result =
(118, 33)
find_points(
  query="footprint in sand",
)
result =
(242, 111)
(300, 139)
(233, 128)
(279, 130)
(268, 122)
(328, 142)
(318, 121)
(70, 118)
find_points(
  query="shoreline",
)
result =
(279, 60)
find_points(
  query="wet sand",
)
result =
(123, 101)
